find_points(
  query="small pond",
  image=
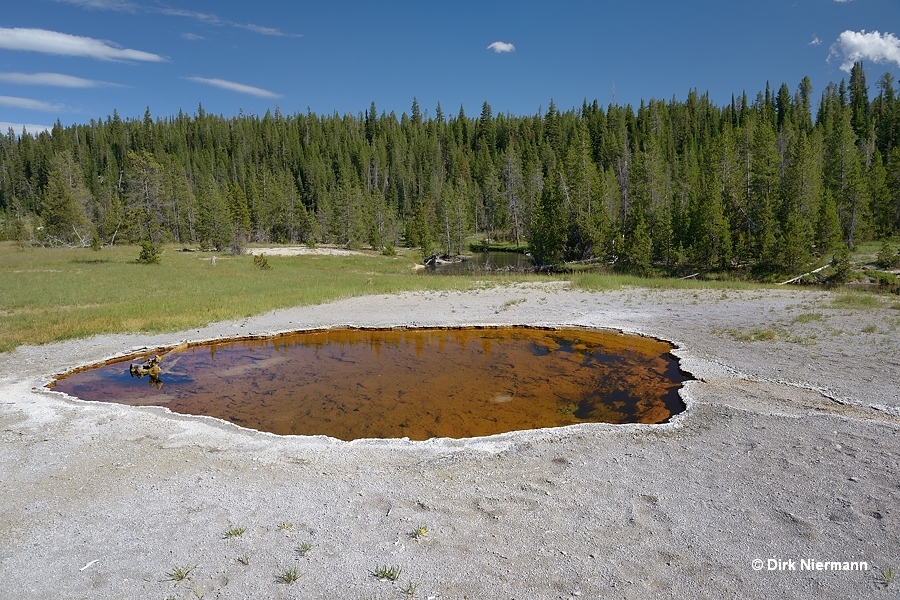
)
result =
(485, 262)
(414, 383)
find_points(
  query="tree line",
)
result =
(758, 184)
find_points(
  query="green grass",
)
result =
(606, 282)
(234, 532)
(808, 317)
(385, 573)
(856, 300)
(49, 295)
(179, 574)
(304, 549)
(754, 335)
(288, 575)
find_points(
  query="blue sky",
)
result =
(77, 60)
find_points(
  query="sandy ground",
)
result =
(303, 251)
(788, 452)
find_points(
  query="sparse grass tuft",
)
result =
(409, 590)
(304, 549)
(179, 574)
(289, 575)
(288, 527)
(509, 304)
(244, 559)
(385, 573)
(754, 335)
(808, 317)
(856, 300)
(887, 576)
(602, 282)
(234, 532)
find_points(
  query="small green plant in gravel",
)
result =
(288, 527)
(244, 559)
(385, 573)
(409, 590)
(304, 549)
(755, 335)
(419, 532)
(179, 574)
(808, 317)
(855, 300)
(289, 575)
(234, 532)
(887, 576)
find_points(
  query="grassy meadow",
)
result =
(53, 294)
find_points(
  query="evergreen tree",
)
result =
(547, 226)
(145, 197)
(859, 101)
(64, 207)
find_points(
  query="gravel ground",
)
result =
(788, 454)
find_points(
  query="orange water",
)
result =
(415, 383)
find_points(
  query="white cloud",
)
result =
(192, 14)
(53, 79)
(18, 127)
(261, 30)
(854, 46)
(236, 87)
(208, 18)
(815, 41)
(118, 5)
(501, 47)
(192, 37)
(29, 104)
(52, 42)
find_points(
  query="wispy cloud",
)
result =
(18, 127)
(209, 18)
(235, 87)
(815, 41)
(53, 42)
(262, 30)
(53, 80)
(192, 37)
(854, 46)
(29, 104)
(117, 5)
(202, 17)
(502, 47)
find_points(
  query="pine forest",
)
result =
(764, 185)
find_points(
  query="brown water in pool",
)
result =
(415, 383)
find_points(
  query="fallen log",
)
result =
(799, 277)
(151, 367)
